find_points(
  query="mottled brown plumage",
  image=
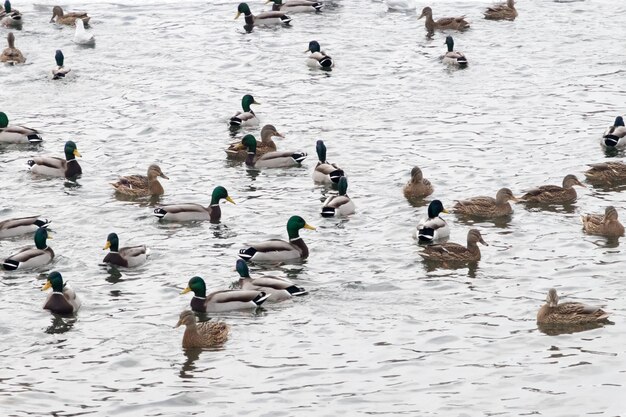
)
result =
(607, 173)
(604, 225)
(202, 335)
(141, 185)
(553, 194)
(12, 55)
(418, 186)
(454, 23)
(487, 206)
(568, 313)
(238, 151)
(453, 252)
(68, 18)
(503, 11)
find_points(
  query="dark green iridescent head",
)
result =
(342, 186)
(59, 58)
(247, 100)
(7, 6)
(314, 46)
(220, 193)
(450, 43)
(294, 225)
(242, 268)
(41, 235)
(4, 120)
(435, 208)
(197, 285)
(113, 242)
(320, 148)
(71, 150)
(243, 8)
(619, 121)
(249, 141)
(56, 281)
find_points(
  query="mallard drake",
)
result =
(58, 167)
(418, 187)
(31, 257)
(141, 185)
(12, 55)
(207, 334)
(191, 211)
(604, 225)
(127, 257)
(224, 300)
(568, 313)
(325, 172)
(502, 11)
(318, 58)
(487, 206)
(431, 228)
(60, 71)
(296, 6)
(280, 289)
(81, 36)
(68, 18)
(22, 225)
(238, 151)
(17, 134)
(553, 194)
(340, 204)
(9, 17)
(455, 23)
(607, 173)
(615, 136)
(62, 299)
(277, 250)
(453, 57)
(278, 159)
(262, 19)
(453, 252)
(247, 117)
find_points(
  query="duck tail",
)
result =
(610, 140)
(335, 175)
(261, 298)
(34, 138)
(299, 156)
(235, 121)
(285, 19)
(247, 254)
(296, 291)
(10, 264)
(31, 162)
(426, 234)
(318, 6)
(462, 61)
(328, 211)
(159, 212)
(326, 62)
(42, 223)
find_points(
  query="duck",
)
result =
(21, 225)
(238, 151)
(62, 300)
(278, 159)
(277, 250)
(453, 57)
(318, 58)
(81, 36)
(502, 11)
(9, 17)
(141, 185)
(247, 117)
(607, 173)
(340, 204)
(17, 134)
(325, 172)
(127, 257)
(454, 23)
(453, 252)
(208, 334)
(604, 225)
(60, 71)
(418, 187)
(553, 194)
(279, 289)
(30, 257)
(615, 136)
(296, 6)
(68, 19)
(262, 19)
(57, 167)
(487, 206)
(12, 55)
(223, 300)
(432, 227)
(568, 313)
(191, 211)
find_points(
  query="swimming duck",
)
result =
(127, 257)
(503, 11)
(22, 225)
(318, 58)
(431, 228)
(615, 136)
(455, 23)
(247, 117)
(31, 257)
(453, 57)
(81, 36)
(277, 250)
(58, 167)
(9, 17)
(68, 18)
(224, 300)
(487, 206)
(296, 6)
(280, 289)
(141, 185)
(238, 151)
(17, 134)
(262, 19)
(12, 55)
(60, 71)
(191, 211)
(553, 194)
(607, 173)
(62, 299)
(341, 204)
(604, 225)
(207, 334)
(453, 252)
(325, 172)
(418, 187)
(568, 313)
(278, 159)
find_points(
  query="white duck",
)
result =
(81, 36)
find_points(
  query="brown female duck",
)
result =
(202, 335)
(553, 194)
(487, 206)
(607, 173)
(502, 11)
(141, 185)
(568, 313)
(238, 151)
(453, 252)
(12, 55)
(454, 23)
(418, 186)
(604, 225)
(68, 18)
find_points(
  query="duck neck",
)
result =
(304, 249)
(250, 158)
(154, 186)
(473, 247)
(511, 4)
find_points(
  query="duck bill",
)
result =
(107, 245)
(280, 135)
(256, 102)
(483, 242)
(308, 50)
(517, 199)
(164, 176)
(230, 200)
(422, 15)
(178, 324)
(185, 291)
(237, 16)
(308, 226)
(46, 286)
(76, 153)
(445, 211)
(49, 236)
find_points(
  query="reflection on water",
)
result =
(60, 324)
(555, 330)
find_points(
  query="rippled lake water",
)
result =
(379, 334)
